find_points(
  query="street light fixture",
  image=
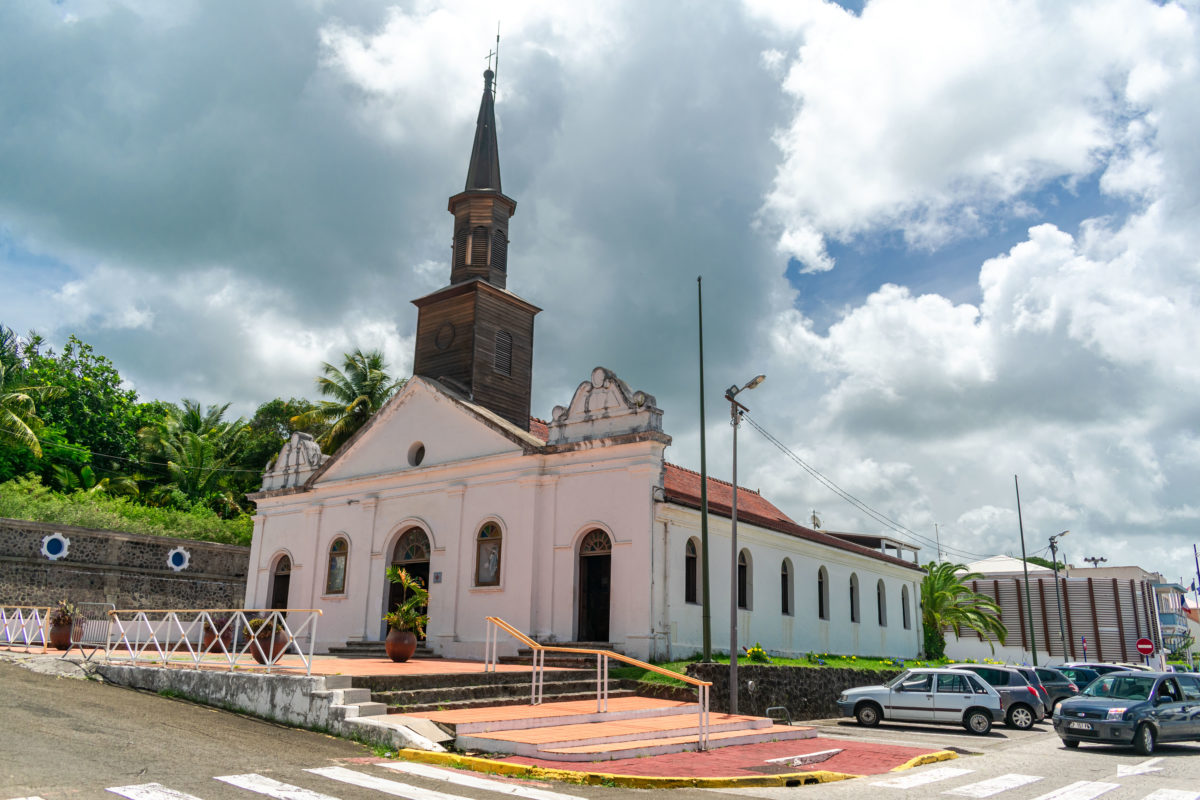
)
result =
(1062, 631)
(1094, 561)
(735, 411)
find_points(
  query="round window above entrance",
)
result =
(416, 454)
(596, 543)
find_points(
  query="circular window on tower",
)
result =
(416, 454)
(178, 559)
(55, 546)
(444, 336)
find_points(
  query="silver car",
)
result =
(926, 695)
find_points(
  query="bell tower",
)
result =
(474, 334)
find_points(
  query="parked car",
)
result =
(1022, 702)
(1058, 685)
(1082, 676)
(926, 695)
(1034, 680)
(1104, 668)
(1142, 708)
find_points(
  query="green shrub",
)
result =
(26, 498)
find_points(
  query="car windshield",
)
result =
(1121, 687)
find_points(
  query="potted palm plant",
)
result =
(216, 629)
(62, 619)
(407, 622)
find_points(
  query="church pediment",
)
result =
(423, 426)
(603, 407)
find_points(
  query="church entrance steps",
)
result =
(422, 693)
(575, 731)
(362, 649)
(576, 660)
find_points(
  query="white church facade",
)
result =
(573, 530)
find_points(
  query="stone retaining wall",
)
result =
(126, 569)
(806, 692)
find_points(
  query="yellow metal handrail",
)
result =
(602, 658)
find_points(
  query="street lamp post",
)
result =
(1062, 630)
(735, 412)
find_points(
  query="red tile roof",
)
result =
(682, 486)
(539, 428)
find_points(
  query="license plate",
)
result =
(1080, 726)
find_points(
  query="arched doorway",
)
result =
(595, 586)
(411, 554)
(281, 580)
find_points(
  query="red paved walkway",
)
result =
(857, 758)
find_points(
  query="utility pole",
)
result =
(1062, 628)
(706, 606)
(1025, 567)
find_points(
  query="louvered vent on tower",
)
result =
(504, 352)
(479, 247)
(499, 250)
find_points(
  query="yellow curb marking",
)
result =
(624, 781)
(928, 758)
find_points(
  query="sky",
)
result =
(961, 239)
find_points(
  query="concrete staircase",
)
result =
(413, 694)
(361, 649)
(565, 660)
(576, 731)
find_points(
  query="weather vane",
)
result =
(493, 59)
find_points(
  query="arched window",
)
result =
(854, 617)
(487, 556)
(479, 247)
(822, 594)
(413, 546)
(335, 578)
(503, 355)
(743, 587)
(904, 608)
(785, 588)
(881, 603)
(691, 569)
(499, 250)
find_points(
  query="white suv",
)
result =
(927, 695)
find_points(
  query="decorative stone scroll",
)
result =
(298, 459)
(603, 407)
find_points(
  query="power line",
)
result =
(878, 516)
(135, 461)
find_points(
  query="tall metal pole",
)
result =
(1025, 566)
(734, 587)
(1062, 628)
(706, 607)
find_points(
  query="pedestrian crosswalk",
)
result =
(270, 787)
(997, 786)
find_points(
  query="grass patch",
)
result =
(27, 498)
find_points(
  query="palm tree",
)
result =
(18, 409)
(358, 390)
(946, 601)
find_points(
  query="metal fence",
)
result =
(231, 638)
(26, 626)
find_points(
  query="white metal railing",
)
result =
(491, 659)
(220, 637)
(27, 626)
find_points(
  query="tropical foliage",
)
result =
(358, 390)
(947, 602)
(409, 615)
(77, 446)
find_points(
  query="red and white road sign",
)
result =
(1145, 647)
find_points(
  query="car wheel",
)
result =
(1143, 739)
(978, 722)
(1070, 744)
(1020, 717)
(867, 715)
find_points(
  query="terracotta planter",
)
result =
(400, 645)
(209, 643)
(267, 650)
(60, 637)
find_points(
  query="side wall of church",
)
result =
(802, 630)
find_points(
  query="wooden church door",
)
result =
(595, 586)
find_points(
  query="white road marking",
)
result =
(993, 785)
(394, 788)
(261, 784)
(35, 797)
(1172, 794)
(150, 791)
(1080, 790)
(474, 782)
(922, 778)
(1138, 769)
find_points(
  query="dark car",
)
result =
(1022, 702)
(1058, 685)
(1104, 669)
(1142, 708)
(1082, 676)
(1031, 676)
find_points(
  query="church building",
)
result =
(572, 530)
